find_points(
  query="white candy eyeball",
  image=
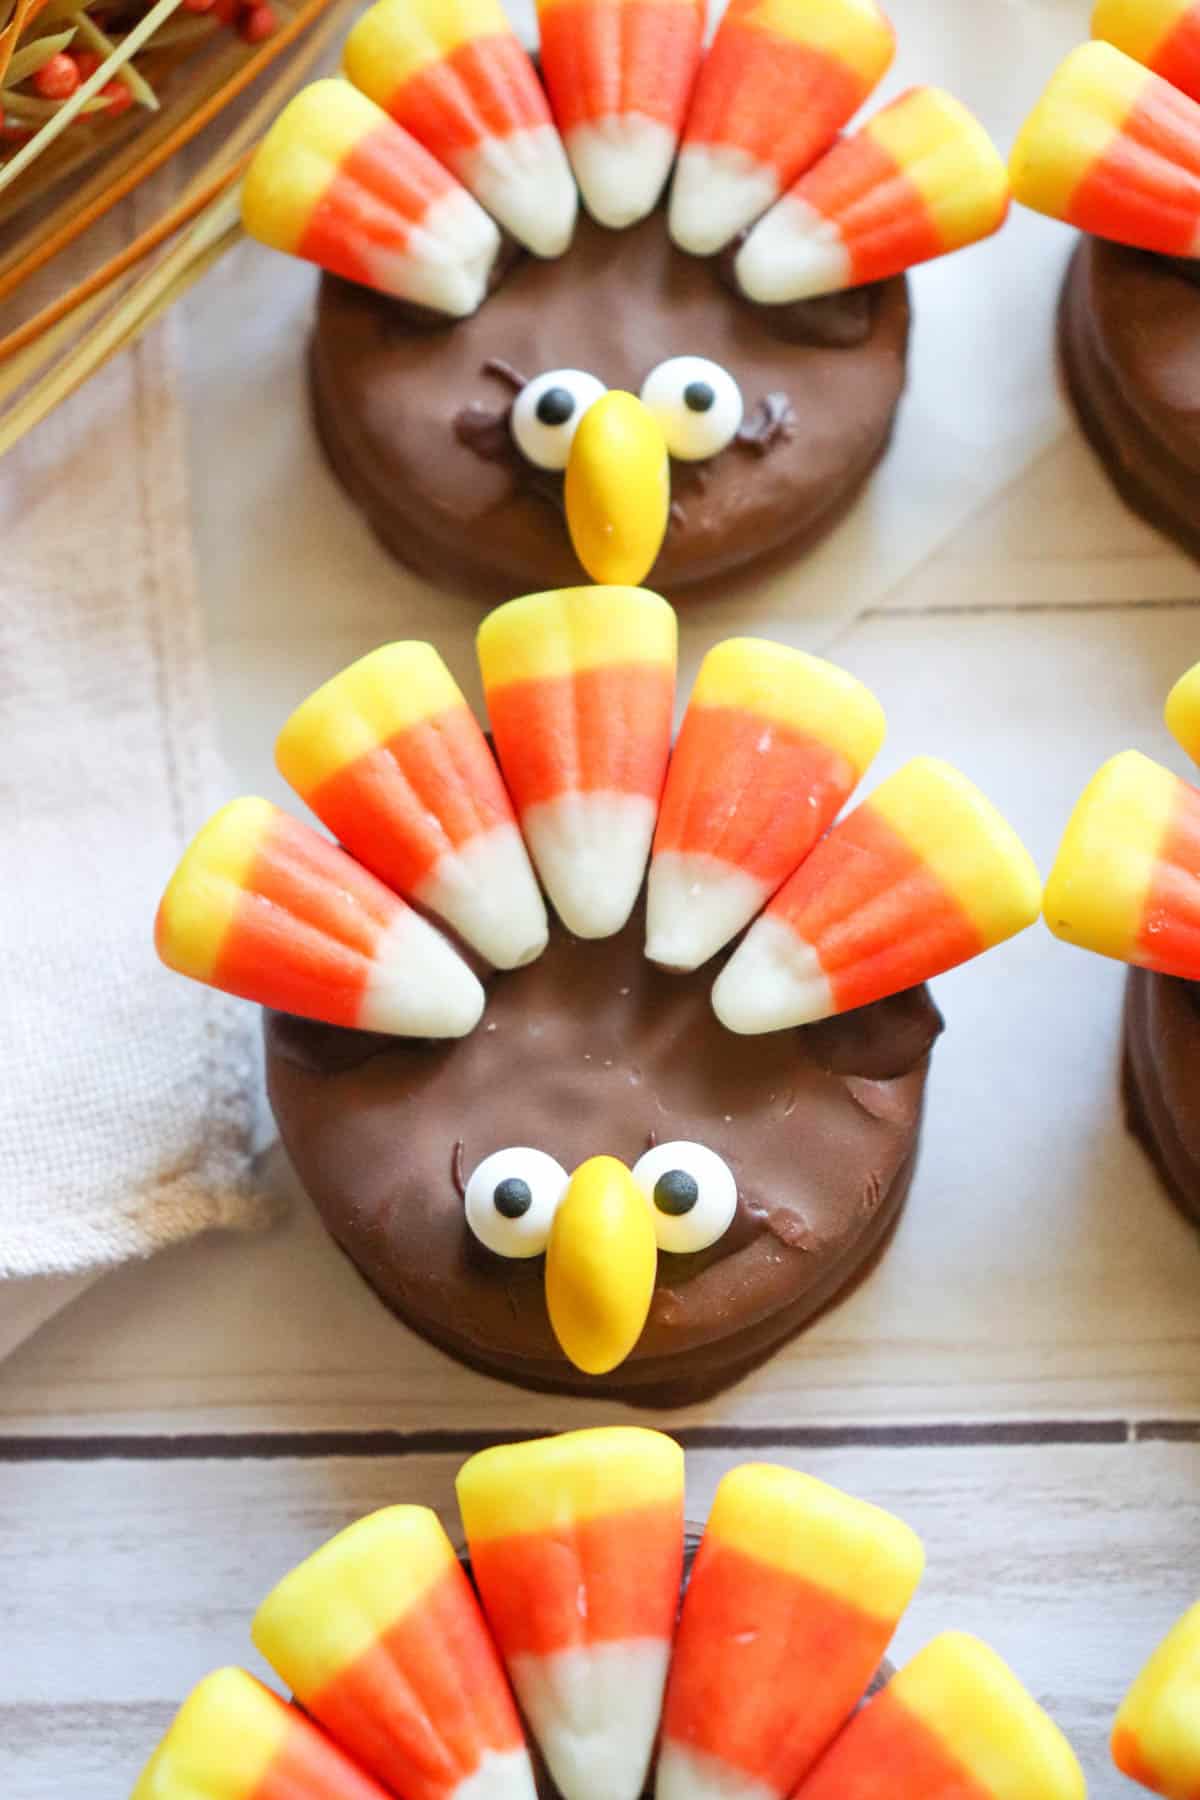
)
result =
(697, 403)
(511, 1200)
(546, 413)
(693, 1194)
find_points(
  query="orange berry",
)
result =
(119, 97)
(58, 78)
(257, 23)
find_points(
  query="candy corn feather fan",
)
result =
(625, 93)
(576, 1548)
(446, 846)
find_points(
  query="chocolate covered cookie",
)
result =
(589, 1146)
(1113, 148)
(675, 386)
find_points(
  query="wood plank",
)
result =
(1039, 1272)
(122, 1583)
(1056, 536)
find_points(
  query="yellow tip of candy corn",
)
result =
(577, 1475)
(292, 167)
(803, 1527)
(354, 1587)
(971, 1700)
(600, 1266)
(1182, 712)
(1072, 126)
(200, 900)
(1096, 893)
(1156, 1734)
(967, 843)
(220, 1743)
(618, 489)
(1142, 28)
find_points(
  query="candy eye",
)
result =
(512, 1198)
(546, 414)
(697, 403)
(693, 1193)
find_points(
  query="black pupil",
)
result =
(698, 396)
(676, 1192)
(555, 406)
(513, 1198)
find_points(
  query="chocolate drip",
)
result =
(773, 421)
(485, 432)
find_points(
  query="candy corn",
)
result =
(1115, 150)
(577, 1548)
(232, 1739)
(954, 1724)
(794, 1596)
(390, 758)
(619, 74)
(381, 1640)
(780, 80)
(922, 178)
(453, 73)
(337, 183)
(264, 907)
(1164, 35)
(1126, 881)
(921, 877)
(1156, 1736)
(772, 744)
(1183, 712)
(580, 687)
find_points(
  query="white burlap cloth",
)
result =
(126, 1096)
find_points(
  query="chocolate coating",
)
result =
(388, 389)
(1162, 1079)
(1129, 333)
(593, 1050)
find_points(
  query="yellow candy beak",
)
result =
(618, 490)
(600, 1265)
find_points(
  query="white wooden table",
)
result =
(1020, 1377)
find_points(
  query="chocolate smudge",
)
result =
(484, 431)
(773, 421)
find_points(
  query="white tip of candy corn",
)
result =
(621, 164)
(590, 850)
(595, 1714)
(448, 264)
(501, 1775)
(525, 182)
(772, 981)
(793, 254)
(419, 986)
(718, 190)
(694, 905)
(691, 1775)
(487, 891)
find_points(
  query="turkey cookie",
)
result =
(565, 1665)
(1113, 148)
(1126, 884)
(751, 310)
(591, 1150)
